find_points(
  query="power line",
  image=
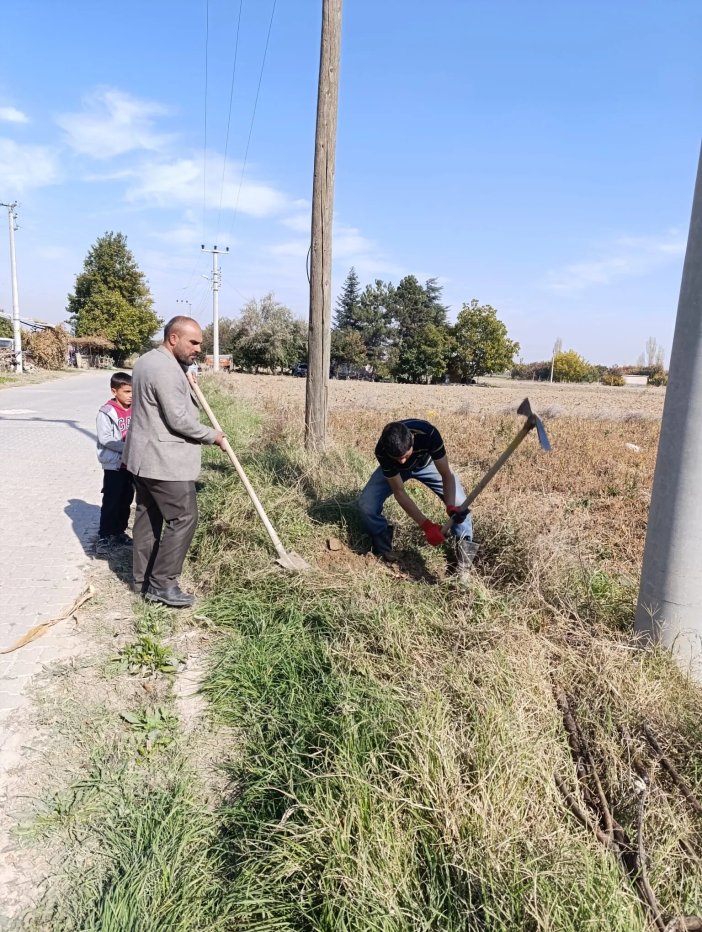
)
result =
(204, 145)
(229, 118)
(253, 115)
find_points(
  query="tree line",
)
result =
(380, 330)
(402, 332)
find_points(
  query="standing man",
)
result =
(414, 449)
(163, 454)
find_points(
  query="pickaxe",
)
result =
(532, 421)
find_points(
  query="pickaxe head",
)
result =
(533, 420)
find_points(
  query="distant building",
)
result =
(635, 380)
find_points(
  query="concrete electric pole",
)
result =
(216, 282)
(16, 332)
(670, 596)
(322, 215)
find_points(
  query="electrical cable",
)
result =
(253, 115)
(229, 120)
(204, 145)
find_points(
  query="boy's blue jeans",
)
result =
(377, 490)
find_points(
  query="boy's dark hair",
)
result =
(119, 379)
(396, 439)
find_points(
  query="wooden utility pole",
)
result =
(322, 215)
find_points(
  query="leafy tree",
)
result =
(267, 336)
(481, 344)
(348, 303)
(5, 327)
(225, 326)
(112, 299)
(557, 348)
(347, 348)
(571, 367)
(422, 355)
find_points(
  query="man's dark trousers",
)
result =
(117, 496)
(158, 558)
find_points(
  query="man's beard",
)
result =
(183, 359)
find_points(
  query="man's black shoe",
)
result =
(173, 596)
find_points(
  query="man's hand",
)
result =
(220, 440)
(455, 514)
(433, 534)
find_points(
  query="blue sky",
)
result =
(538, 156)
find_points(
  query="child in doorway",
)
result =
(118, 486)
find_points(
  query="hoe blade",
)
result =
(293, 562)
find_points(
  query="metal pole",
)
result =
(215, 311)
(16, 332)
(670, 596)
(216, 281)
(322, 213)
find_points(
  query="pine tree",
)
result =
(374, 320)
(347, 304)
(414, 307)
(112, 299)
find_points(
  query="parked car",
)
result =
(300, 370)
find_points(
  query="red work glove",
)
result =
(455, 514)
(433, 534)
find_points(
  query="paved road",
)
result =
(50, 484)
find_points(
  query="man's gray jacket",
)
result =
(165, 432)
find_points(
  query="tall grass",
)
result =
(396, 739)
(400, 740)
(153, 863)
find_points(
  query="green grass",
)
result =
(394, 744)
(155, 865)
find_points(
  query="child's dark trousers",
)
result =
(117, 495)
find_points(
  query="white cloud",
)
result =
(299, 223)
(349, 248)
(627, 257)
(26, 166)
(180, 184)
(13, 115)
(112, 123)
(297, 248)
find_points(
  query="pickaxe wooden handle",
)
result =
(532, 421)
(287, 558)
